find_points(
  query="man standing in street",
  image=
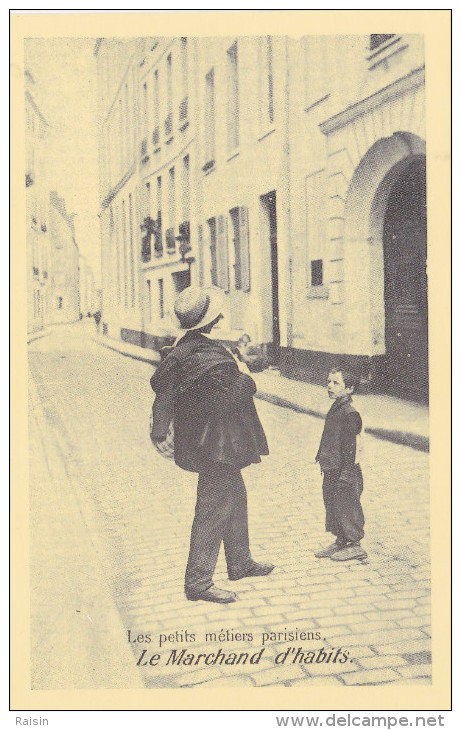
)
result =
(217, 432)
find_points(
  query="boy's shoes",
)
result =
(330, 550)
(214, 595)
(349, 553)
(254, 570)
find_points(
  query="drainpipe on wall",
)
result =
(288, 303)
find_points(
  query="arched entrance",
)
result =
(405, 283)
(385, 287)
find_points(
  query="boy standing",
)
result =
(342, 476)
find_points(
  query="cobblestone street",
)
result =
(130, 511)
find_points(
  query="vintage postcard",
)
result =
(230, 329)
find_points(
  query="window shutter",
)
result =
(244, 249)
(222, 254)
(200, 257)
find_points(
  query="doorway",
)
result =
(181, 280)
(405, 283)
(269, 213)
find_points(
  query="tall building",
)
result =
(288, 172)
(88, 298)
(37, 241)
(64, 306)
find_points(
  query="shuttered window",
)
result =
(239, 218)
(222, 254)
(201, 262)
(213, 259)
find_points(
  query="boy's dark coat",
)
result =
(337, 450)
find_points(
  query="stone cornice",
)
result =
(116, 189)
(397, 88)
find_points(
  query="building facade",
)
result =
(37, 238)
(64, 286)
(88, 299)
(288, 172)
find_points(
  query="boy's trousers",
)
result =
(344, 514)
(221, 515)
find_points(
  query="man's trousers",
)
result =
(221, 515)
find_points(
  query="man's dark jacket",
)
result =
(200, 386)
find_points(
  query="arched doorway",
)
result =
(405, 283)
(385, 288)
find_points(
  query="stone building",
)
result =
(64, 294)
(88, 300)
(288, 172)
(37, 241)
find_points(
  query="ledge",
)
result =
(233, 154)
(317, 292)
(266, 134)
(316, 103)
(396, 88)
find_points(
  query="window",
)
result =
(121, 146)
(266, 83)
(239, 219)
(147, 200)
(170, 232)
(319, 63)
(158, 244)
(117, 246)
(125, 256)
(201, 267)
(184, 80)
(130, 202)
(156, 101)
(209, 118)
(128, 131)
(222, 254)
(213, 263)
(169, 96)
(171, 198)
(232, 98)
(145, 108)
(161, 302)
(185, 188)
(149, 300)
(317, 272)
(377, 39)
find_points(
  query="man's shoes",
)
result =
(254, 570)
(214, 595)
(330, 550)
(349, 553)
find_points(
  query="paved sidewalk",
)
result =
(392, 419)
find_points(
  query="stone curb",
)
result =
(403, 438)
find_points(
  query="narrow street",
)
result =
(110, 522)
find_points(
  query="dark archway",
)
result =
(405, 283)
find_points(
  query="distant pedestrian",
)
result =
(97, 319)
(342, 475)
(217, 433)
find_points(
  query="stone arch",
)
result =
(364, 210)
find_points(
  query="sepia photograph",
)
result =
(228, 385)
